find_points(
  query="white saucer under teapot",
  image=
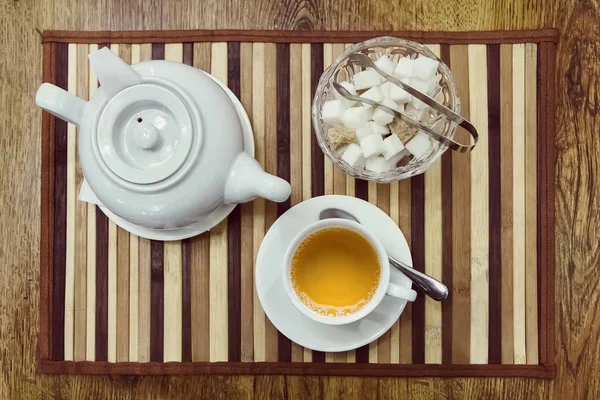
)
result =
(166, 150)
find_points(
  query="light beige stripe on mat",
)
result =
(80, 279)
(296, 144)
(123, 258)
(506, 201)
(479, 206)
(173, 302)
(461, 222)
(339, 176)
(247, 251)
(71, 201)
(306, 137)
(200, 257)
(134, 265)
(144, 271)
(112, 277)
(218, 247)
(328, 166)
(531, 297)
(270, 82)
(395, 330)
(90, 331)
(258, 124)
(373, 346)
(433, 260)
(404, 213)
(90, 352)
(383, 343)
(520, 356)
(433, 255)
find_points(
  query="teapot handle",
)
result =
(61, 103)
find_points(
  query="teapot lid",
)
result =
(145, 132)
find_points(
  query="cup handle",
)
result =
(401, 292)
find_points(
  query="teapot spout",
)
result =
(113, 73)
(247, 180)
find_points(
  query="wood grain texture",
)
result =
(577, 214)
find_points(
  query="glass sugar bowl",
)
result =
(342, 70)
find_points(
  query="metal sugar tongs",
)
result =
(365, 61)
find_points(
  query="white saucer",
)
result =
(280, 310)
(208, 221)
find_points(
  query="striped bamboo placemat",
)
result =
(483, 222)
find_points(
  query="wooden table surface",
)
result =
(577, 174)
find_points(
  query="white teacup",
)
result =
(385, 287)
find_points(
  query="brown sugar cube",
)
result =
(403, 130)
(340, 136)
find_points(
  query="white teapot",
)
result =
(162, 145)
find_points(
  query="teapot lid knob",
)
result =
(145, 135)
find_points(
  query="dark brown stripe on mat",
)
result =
(417, 234)
(283, 154)
(60, 211)
(293, 36)
(234, 233)
(188, 53)
(548, 287)
(158, 51)
(46, 214)
(186, 302)
(186, 263)
(157, 288)
(101, 345)
(361, 191)
(495, 212)
(541, 178)
(317, 156)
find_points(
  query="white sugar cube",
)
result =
(425, 68)
(364, 131)
(372, 94)
(378, 165)
(366, 79)
(424, 86)
(382, 117)
(386, 65)
(385, 89)
(332, 111)
(353, 156)
(404, 68)
(392, 104)
(350, 88)
(354, 117)
(420, 114)
(378, 129)
(372, 145)
(395, 159)
(419, 144)
(392, 145)
(369, 113)
(398, 94)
